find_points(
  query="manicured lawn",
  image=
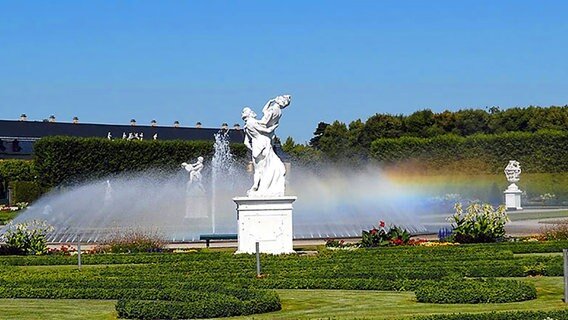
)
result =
(518, 216)
(7, 216)
(304, 304)
(46, 309)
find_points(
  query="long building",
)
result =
(17, 137)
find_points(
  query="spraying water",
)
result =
(331, 203)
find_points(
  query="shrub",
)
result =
(380, 237)
(132, 241)
(18, 170)
(27, 237)
(556, 231)
(475, 291)
(481, 223)
(25, 191)
(212, 307)
(507, 315)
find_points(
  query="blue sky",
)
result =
(111, 61)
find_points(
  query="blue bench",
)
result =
(217, 236)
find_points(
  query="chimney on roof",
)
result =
(51, 118)
(133, 122)
(75, 120)
(23, 117)
(153, 123)
(176, 124)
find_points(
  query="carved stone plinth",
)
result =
(267, 220)
(513, 197)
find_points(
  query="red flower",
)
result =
(374, 231)
(381, 224)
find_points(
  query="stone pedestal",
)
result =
(513, 197)
(266, 220)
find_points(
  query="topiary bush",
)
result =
(475, 291)
(507, 315)
(249, 302)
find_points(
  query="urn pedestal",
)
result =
(266, 220)
(513, 197)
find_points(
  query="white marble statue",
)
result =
(194, 171)
(155, 137)
(269, 171)
(272, 111)
(513, 171)
(109, 136)
(124, 135)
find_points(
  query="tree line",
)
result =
(338, 141)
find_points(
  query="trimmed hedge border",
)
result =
(60, 160)
(508, 315)
(542, 151)
(476, 291)
(260, 302)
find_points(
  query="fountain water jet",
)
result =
(334, 202)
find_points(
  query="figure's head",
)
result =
(247, 113)
(199, 159)
(283, 101)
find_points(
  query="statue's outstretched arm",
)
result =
(262, 128)
(267, 105)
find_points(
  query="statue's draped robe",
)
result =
(269, 171)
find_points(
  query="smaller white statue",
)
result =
(513, 171)
(123, 135)
(108, 193)
(155, 136)
(136, 136)
(141, 135)
(130, 136)
(109, 136)
(194, 171)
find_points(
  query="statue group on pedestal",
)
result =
(269, 171)
(194, 171)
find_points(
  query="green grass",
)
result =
(344, 304)
(34, 309)
(7, 216)
(518, 216)
(303, 304)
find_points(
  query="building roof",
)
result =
(32, 130)
(24, 133)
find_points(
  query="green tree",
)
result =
(315, 141)
(334, 143)
(471, 121)
(380, 126)
(419, 123)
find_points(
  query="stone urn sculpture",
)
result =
(513, 193)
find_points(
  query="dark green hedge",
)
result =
(508, 315)
(17, 170)
(251, 302)
(25, 191)
(475, 291)
(544, 151)
(68, 159)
